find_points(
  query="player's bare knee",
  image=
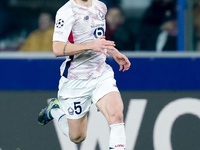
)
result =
(116, 117)
(78, 139)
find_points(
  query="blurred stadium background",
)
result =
(161, 91)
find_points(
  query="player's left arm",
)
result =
(121, 59)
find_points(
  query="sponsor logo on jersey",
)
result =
(119, 145)
(59, 32)
(99, 32)
(97, 25)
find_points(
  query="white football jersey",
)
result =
(78, 24)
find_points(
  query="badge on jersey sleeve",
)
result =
(60, 23)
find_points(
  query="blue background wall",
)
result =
(175, 73)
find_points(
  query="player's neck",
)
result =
(85, 3)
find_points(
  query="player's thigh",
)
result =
(111, 105)
(78, 128)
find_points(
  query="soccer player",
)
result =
(85, 76)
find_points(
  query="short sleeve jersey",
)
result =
(78, 24)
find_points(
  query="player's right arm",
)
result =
(66, 48)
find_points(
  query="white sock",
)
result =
(61, 118)
(117, 137)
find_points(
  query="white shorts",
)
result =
(77, 96)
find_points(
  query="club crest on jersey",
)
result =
(102, 15)
(60, 23)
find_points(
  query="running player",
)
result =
(85, 76)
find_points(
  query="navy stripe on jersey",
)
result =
(67, 66)
(71, 40)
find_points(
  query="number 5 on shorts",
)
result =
(77, 108)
